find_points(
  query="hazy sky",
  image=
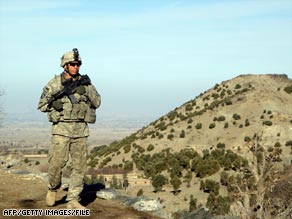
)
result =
(145, 57)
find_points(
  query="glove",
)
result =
(57, 105)
(81, 90)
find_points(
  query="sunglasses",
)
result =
(73, 64)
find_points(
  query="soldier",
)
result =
(70, 100)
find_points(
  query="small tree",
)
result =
(175, 182)
(198, 125)
(193, 203)
(158, 182)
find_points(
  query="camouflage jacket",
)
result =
(72, 120)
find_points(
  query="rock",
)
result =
(107, 194)
(8, 163)
(237, 209)
(198, 214)
(147, 205)
(203, 214)
(143, 204)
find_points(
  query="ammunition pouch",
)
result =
(79, 112)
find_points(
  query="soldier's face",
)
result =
(73, 68)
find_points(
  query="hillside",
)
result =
(223, 147)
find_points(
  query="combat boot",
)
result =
(74, 204)
(51, 198)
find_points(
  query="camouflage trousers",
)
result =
(63, 148)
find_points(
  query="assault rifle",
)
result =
(69, 89)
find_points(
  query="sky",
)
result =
(144, 57)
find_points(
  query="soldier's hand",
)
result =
(81, 90)
(57, 105)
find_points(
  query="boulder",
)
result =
(143, 203)
(107, 194)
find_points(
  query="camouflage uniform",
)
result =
(69, 133)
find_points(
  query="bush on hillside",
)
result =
(218, 205)
(170, 136)
(212, 125)
(182, 134)
(158, 182)
(221, 118)
(199, 125)
(189, 107)
(238, 86)
(209, 186)
(267, 123)
(288, 89)
(192, 204)
(236, 116)
(150, 147)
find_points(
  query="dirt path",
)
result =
(20, 192)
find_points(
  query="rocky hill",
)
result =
(222, 149)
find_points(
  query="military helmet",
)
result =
(70, 57)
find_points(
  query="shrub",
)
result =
(212, 125)
(127, 148)
(221, 118)
(192, 204)
(215, 96)
(128, 166)
(224, 178)
(228, 101)
(190, 121)
(247, 139)
(207, 167)
(247, 123)
(220, 145)
(268, 123)
(158, 182)
(277, 144)
(182, 134)
(218, 205)
(189, 107)
(199, 125)
(270, 149)
(288, 89)
(161, 126)
(226, 125)
(175, 182)
(170, 136)
(150, 147)
(238, 86)
(236, 116)
(289, 143)
(210, 186)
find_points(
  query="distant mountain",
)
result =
(229, 139)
